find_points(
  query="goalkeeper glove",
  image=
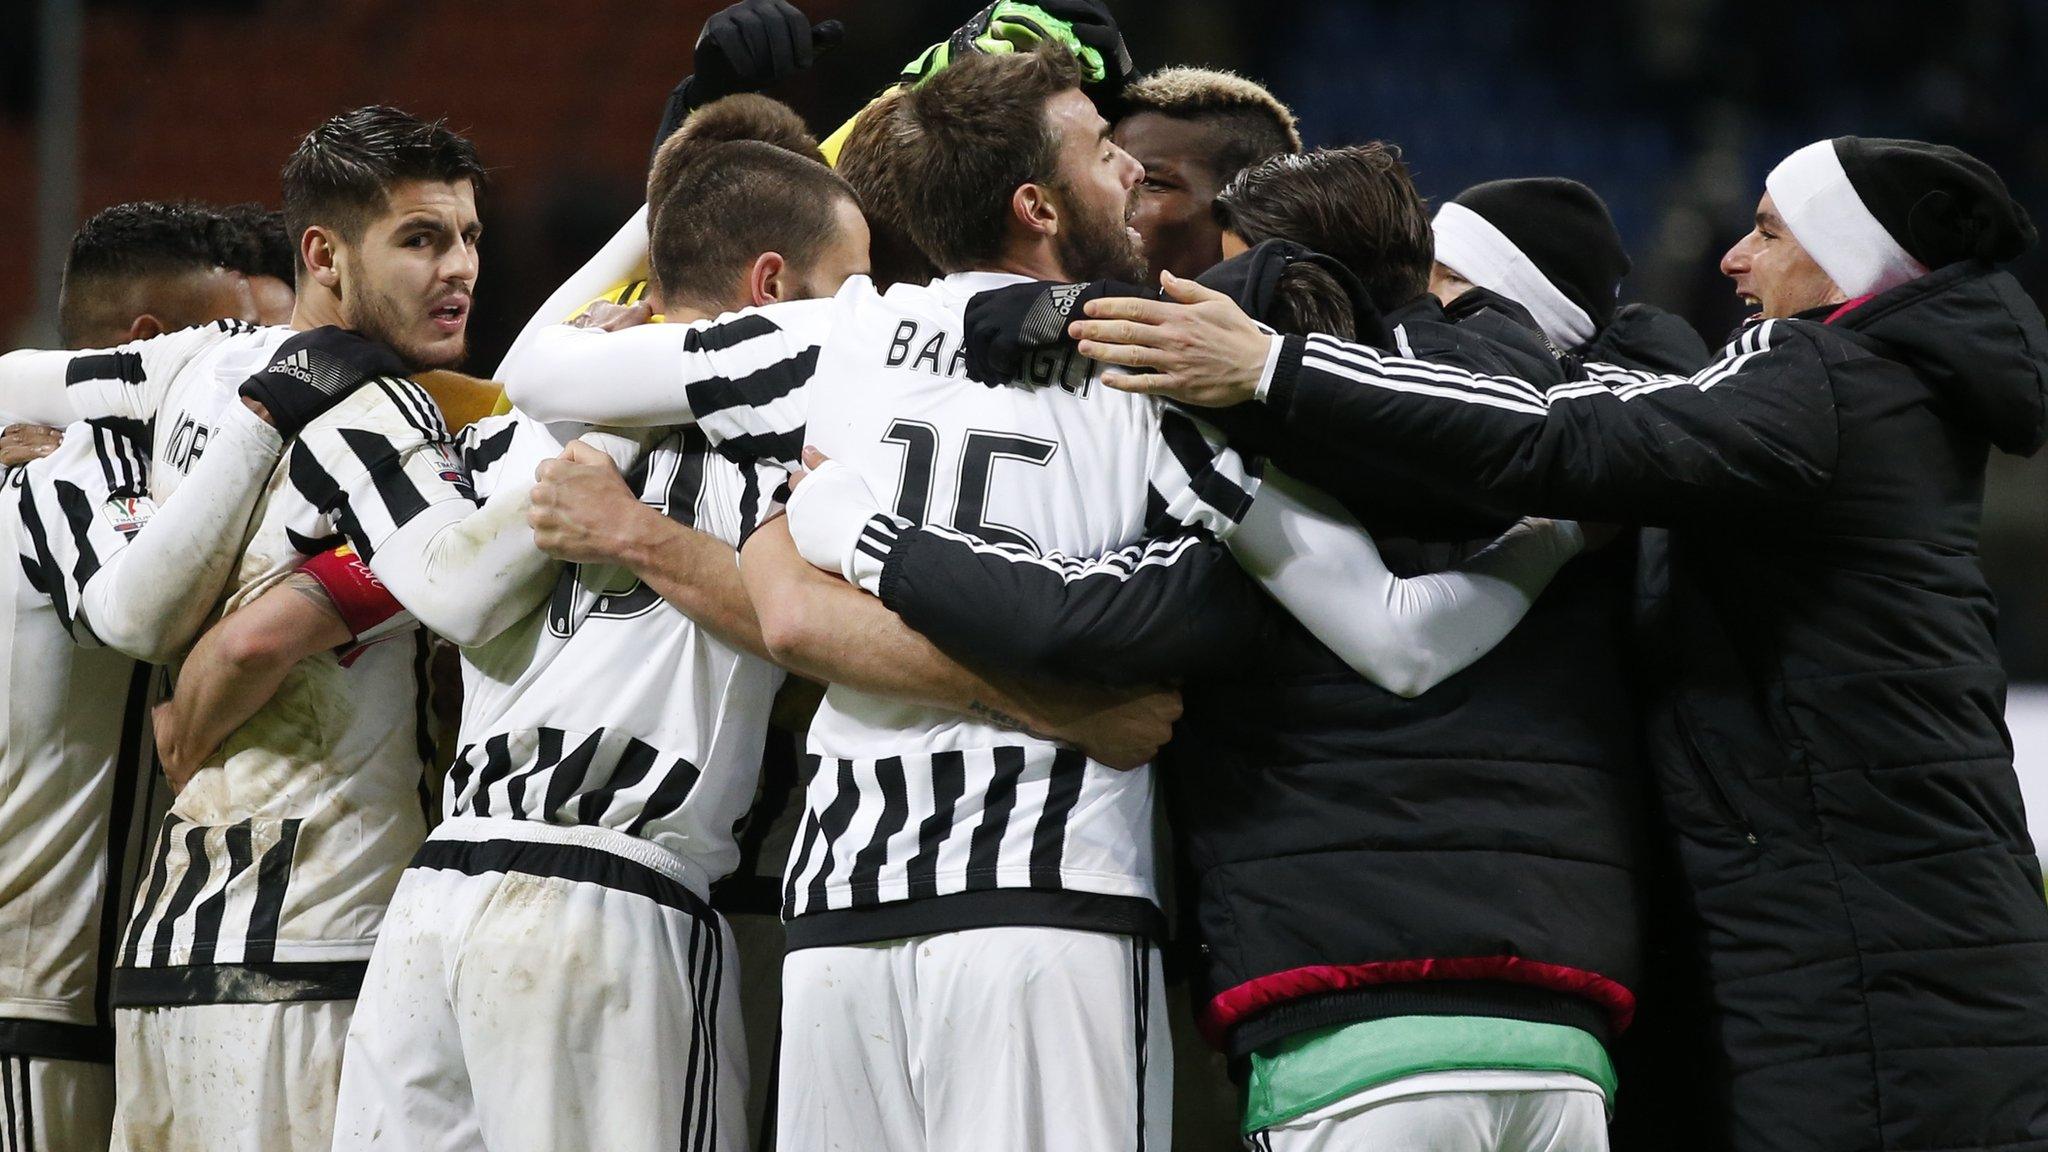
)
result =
(1083, 27)
(749, 46)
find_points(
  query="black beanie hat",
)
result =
(1941, 204)
(1563, 228)
(1859, 204)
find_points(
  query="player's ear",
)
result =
(1034, 209)
(769, 279)
(320, 248)
(143, 327)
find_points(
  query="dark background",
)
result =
(1672, 109)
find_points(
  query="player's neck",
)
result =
(1038, 261)
(682, 313)
(316, 309)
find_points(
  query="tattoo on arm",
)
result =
(310, 588)
(1002, 719)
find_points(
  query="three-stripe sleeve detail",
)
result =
(125, 367)
(386, 468)
(322, 491)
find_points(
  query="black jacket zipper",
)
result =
(1710, 779)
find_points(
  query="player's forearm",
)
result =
(464, 572)
(623, 257)
(150, 598)
(821, 627)
(698, 574)
(32, 389)
(1406, 635)
(641, 370)
(237, 666)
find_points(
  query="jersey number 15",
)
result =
(978, 456)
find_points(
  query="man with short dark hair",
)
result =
(238, 970)
(1194, 129)
(252, 240)
(955, 176)
(611, 288)
(742, 116)
(592, 806)
(795, 210)
(138, 270)
(106, 582)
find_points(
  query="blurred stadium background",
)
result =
(1672, 109)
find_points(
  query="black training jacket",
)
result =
(1354, 854)
(1830, 747)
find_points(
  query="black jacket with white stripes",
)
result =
(1828, 738)
(1355, 854)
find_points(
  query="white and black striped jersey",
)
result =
(607, 707)
(75, 763)
(919, 820)
(284, 849)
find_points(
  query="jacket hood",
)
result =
(1512, 335)
(1977, 340)
(1647, 339)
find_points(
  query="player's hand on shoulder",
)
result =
(21, 443)
(754, 45)
(312, 372)
(606, 316)
(582, 511)
(1196, 346)
(1003, 327)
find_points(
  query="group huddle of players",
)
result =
(1045, 422)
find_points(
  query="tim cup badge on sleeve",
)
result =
(449, 466)
(127, 514)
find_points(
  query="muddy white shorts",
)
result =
(994, 1039)
(560, 990)
(228, 1077)
(55, 1105)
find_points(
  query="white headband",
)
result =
(1468, 244)
(1830, 221)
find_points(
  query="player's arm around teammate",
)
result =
(824, 628)
(238, 665)
(1177, 605)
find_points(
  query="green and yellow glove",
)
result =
(1083, 27)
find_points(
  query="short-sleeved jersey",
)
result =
(74, 748)
(920, 820)
(286, 845)
(607, 707)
